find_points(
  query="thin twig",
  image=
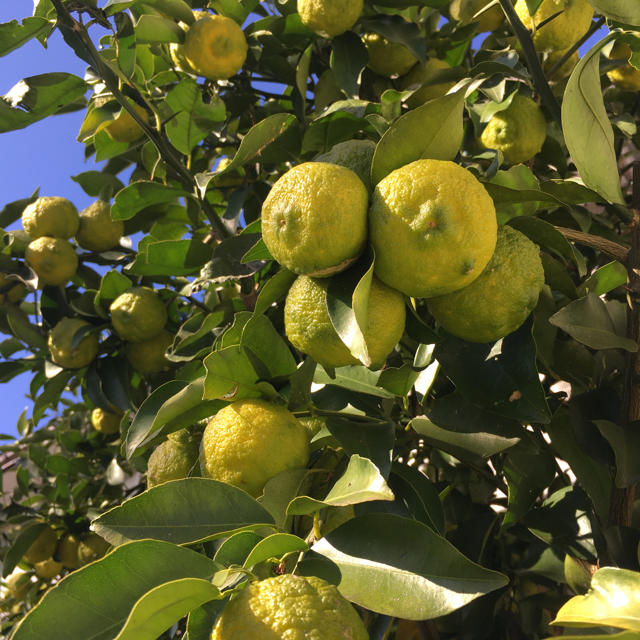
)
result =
(614, 250)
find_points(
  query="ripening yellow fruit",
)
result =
(387, 58)
(61, 347)
(50, 216)
(138, 314)
(626, 77)
(93, 547)
(148, 356)
(329, 17)
(106, 422)
(97, 230)
(464, 10)
(42, 547)
(124, 128)
(12, 290)
(53, 259)
(47, 569)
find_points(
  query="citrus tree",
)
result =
(354, 352)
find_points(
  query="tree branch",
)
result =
(614, 250)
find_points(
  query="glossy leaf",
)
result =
(348, 59)
(236, 548)
(361, 482)
(401, 568)
(95, 601)
(354, 378)
(139, 195)
(212, 509)
(613, 601)
(275, 546)
(14, 34)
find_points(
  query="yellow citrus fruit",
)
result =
(565, 70)
(314, 220)
(124, 128)
(562, 31)
(433, 227)
(215, 47)
(47, 569)
(464, 10)
(626, 77)
(12, 290)
(356, 155)
(173, 459)
(519, 131)
(67, 552)
(148, 356)
(106, 422)
(61, 348)
(501, 298)
(289, 606)
(53, 259)
(250, 441)
(42, 547)
(387, 58)
(329, 17)
(98, 231)
(93, 547)
(309, 329)
(50, 216)
(138, 314)
(425, 75)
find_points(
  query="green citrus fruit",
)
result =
(42, 547)
(329, 18)
(98, 231)
(309, 329)
(124, 128)
(12, 290)
(67, 552)
(356, 155)
(519, 131)
(433, 227)
(50, 216)
(61, 348)
(48, 569)
(93, 547)
(464, 10)
(289, 606)
(173, 459)
(387, 58)
(426, 75)
(626, 77)
(215, 47)
(561, 32)
(53, 259)
(250, 441)
(499, 301)
(106, 422)
(138, 314)
(314, 220)
(148, 356)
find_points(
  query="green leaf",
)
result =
(587, 130)
(625, 442)
(439, 122)
(612, 601)
(94, 182)
(401, 568)
(274, 289)
(348, 59)
(94, 602)
(193, 120)
(139, 195)
(361, 482)
(276, 546)
(397, 29)
(588, 321)
(13, 34)
(278, 493)
(625, 11)
(623, 635)
(259, 137)
(28, 534)
(37, 97)
(155, 28)
(183, 512)
(236, 548)
(170, 258)
(479, 444)
(164, 605)
(113, 283)
(354, 378)
(604, 279)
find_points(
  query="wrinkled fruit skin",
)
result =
(173, 459)
(433, 227)
(250, 441)
(387, 58)
(50, 216)
(215, 47)
(138, 314)
(329, 18)
(60, 344)
(93, 547)
(500, 300)
(314, 220)
(148, 356)
(356, 155)
(626, 77)
(124, 128)
(519, 131)
(53, 259)
(105, 421)
(422, 74)
(561, 32)
(309, 328)
(97, 231)
(289, 607)
(42, 547)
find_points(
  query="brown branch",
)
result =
(613, 249)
